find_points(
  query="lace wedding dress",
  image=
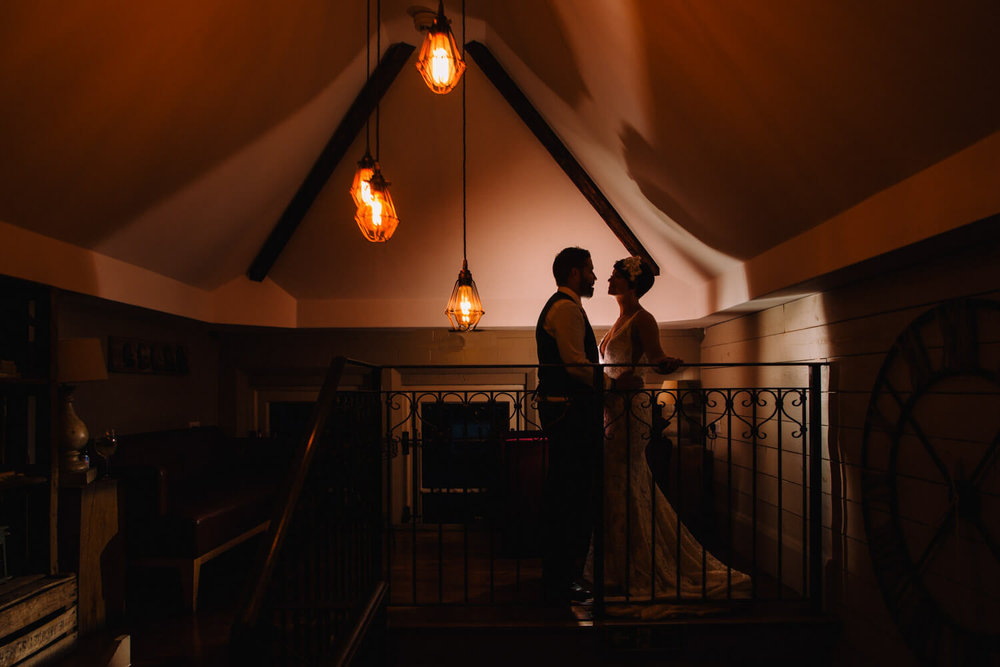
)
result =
(636, 513)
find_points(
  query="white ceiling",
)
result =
(149, 148)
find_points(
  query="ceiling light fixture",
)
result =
(465, 309)
(440, 63)
(375, 214)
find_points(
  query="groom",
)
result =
(570, 418)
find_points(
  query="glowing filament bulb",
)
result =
(441, 66)
(376, 207)
(376, 214)
(465, 306)
(440, 61)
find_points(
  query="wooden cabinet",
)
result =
(38, 610)
(28, 473)
(91, 543)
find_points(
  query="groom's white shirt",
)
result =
(566, 323)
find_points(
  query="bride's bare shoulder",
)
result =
(645, 318)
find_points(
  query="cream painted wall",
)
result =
(852, 327)
(289, 365)
(273, 358)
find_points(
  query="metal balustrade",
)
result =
(736, 464)
(417, 486)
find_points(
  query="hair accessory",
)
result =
(633, 265)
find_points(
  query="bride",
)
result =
(630, 495)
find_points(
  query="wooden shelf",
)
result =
(28, 452)
(28, 382)
(20, 480)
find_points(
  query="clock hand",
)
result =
(980, 472)
(906, 408)
(990, 542)
(946, 527)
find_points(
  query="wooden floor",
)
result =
(497, 602)
(162, 632)
(451, 564)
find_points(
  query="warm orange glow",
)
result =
(376, 215)
(440, 60)
(360, 188)
(464, 307)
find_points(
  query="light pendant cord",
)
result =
(464, 79)
(368, 69)
(378, 57)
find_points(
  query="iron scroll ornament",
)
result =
(930, 483)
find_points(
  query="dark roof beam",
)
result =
(517, 100)
(345, 134)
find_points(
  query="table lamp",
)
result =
(79, 360)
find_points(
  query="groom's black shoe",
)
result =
(580, 594)
(574, 593)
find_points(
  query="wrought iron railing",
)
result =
(739, 467)
(423, 486)
(319, 583)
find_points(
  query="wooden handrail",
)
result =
(361, 626)
(289, 496)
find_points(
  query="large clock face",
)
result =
(931, 483)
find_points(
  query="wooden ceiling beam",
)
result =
(345, 134)
(556, 148)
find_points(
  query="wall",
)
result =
(258, 359)
(227, 364)
(134, 402)
(853, 326)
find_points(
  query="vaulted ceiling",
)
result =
(149, 148)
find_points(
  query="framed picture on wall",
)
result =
(135, 355)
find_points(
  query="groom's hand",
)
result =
(668, 365)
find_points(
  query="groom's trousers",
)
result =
(573, 442)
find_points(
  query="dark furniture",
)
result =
(28, 464)
(192, 494)
(91, 543)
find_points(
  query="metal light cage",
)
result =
(360, 188)
(377, 220)
(440, 60)
(465, 309)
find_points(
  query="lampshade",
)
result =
(464, 307)
(377, 217)
(440, 61)
(360, 189)
(80, 360)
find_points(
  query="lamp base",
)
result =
(72, 435)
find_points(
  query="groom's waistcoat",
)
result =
(556, 380)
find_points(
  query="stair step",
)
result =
(527, 636)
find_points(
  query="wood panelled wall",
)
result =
(137, 402)
(852, 326)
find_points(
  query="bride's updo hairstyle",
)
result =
(638, 273)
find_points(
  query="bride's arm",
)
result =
(649, 339)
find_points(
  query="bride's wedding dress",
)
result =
(635, 509)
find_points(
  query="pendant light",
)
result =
(465, 309)
(377, 218)
(375, 212)
(360, 189)
(440, 63)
